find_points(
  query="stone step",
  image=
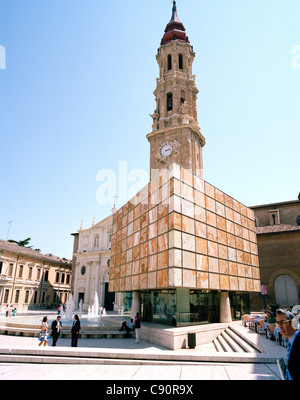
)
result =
(231, 341)
(224, 344)
(235, 345)
(248, 346)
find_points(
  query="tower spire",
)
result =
(174, 13)
(175, 29)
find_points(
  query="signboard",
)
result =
(264, 289)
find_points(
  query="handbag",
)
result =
(42, 335)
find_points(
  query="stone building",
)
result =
(31, 280)
(91, 261)
(278, 239)
(183, 250)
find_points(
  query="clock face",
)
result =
(166, 150)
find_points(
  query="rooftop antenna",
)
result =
(8, 229)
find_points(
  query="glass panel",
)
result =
(239, 304)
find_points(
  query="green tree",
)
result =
(23, 243)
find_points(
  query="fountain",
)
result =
(80, 309)
(93, 312)
(89, 321)
(69, 310)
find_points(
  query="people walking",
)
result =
(137, 326)
(44, 334)
(75, 331)
(56, 328)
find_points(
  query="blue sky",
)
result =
(77, 91)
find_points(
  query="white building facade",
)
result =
(91, 262)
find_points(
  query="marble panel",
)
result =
(198, 184)
(129, 255)
(233, 282)
(200, 214)
(212, 233)
(175, 239)
(187, 177)
(214, 281)
(224, 282)
(210, 204)
(188, 259)
(163, 225)
(188, 242)
(175, 204)
(162, 278)
(209, 189)
(255, 273)
(175, 221)
(128, 283)
(163, 210)
(162, 260)
(144, 235)
(249, 285)
(220, 209)
(144, 250)
(128, 271)
(152, 263)
(143, 281)
(188, 208)
(188, 224)
(189, 278)
(222, 237)
(200, 229)
(136, 267)
(175, 277)
(151, 280)
(201, 245)
(199, 198)
(213, 264)
(212, 249)
(144, 220)
(224, 266)
(201, 262)
(202, 280)
(152, 215)
(163, 242)
(242, 284)
(233, 268)
(135, 282)
(241, 270)
(175, 187)
(152, 231)
(211, 218)
(152, 246)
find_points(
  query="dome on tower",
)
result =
(175, 29)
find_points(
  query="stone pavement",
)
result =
(123, 359)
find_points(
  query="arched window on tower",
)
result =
(169, 61)
(169, 101)
(180, 61)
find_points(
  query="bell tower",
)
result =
(176, 135)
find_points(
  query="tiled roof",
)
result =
(15, 248)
